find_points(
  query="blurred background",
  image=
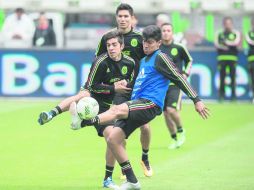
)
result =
(33, 67)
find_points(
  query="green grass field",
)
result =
(218, 154)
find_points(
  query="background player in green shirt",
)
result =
(226, 42)
(179, 55)
(250, 41)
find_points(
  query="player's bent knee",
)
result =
(171, 111)
(120, 111)
(145, 128)
(111, 141)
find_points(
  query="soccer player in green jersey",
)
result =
(183, 61)
(133, 47)
(250, 41)
(226, 42)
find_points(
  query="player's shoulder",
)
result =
(179, 45)
(235, 31)
(110, 30)
(162, 55)
(136, 33)
(101, 58)
(219, 32)
(128, 58)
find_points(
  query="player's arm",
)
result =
(217, 43)
(249, 40)
(187, 61)
(94, 82)
(235, 42)
(101, 48)
(167, 68)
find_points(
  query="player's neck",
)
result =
(167, 42)
(125, 30)
(118, 58)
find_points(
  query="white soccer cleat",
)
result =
(181, 138)
(75, 119)
(44, 117)
(129, 186)
(174, 145)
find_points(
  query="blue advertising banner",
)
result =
(60, 73)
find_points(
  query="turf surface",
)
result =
(218, 154)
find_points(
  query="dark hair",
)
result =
(152, 32)
(19, 10)
(114, 34)
(167, 24)
(227, 18)
(125, 6)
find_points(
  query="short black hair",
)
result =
(125, 6)
(167, 24)
(19, 10)
(114, 34)
(227, 18)
(152, 32)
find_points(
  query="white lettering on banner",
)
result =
(62, 81)
(26, 73)
(205, 79)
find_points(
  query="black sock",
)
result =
(108, 172)
(126, 167)
(145, 154)
(179, 129)
(122, 172)
(94, 121)
(54, 112)
(173, 136)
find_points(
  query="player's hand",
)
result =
(119, 88)
(202, 110)
(122, 82)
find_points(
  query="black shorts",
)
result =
(141, 111)
(103, 106)
(121, 98)
(173, 98)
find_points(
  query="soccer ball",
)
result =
(87, 108)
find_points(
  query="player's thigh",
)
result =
(173, 98)
(140, 112)
(121, 98)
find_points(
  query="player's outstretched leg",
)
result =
(44, 117)
(75, 119)
(63, 106)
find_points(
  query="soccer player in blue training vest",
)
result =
(156, 72)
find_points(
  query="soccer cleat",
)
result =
(174, 145)
(147, 169)
(44, 117)
(108, 183)
(75, 119)
(181, 138)
(129, 186)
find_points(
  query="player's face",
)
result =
(228, 24)
(150, 45)
(114, 49)
(167, 32)
(124, 19)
